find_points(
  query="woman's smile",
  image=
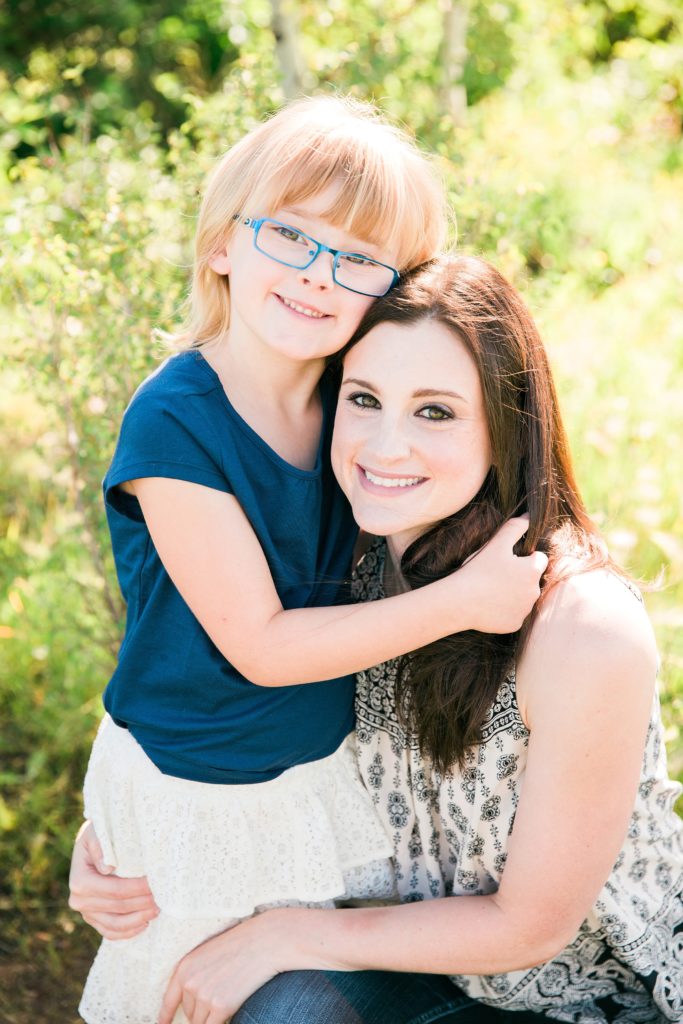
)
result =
(394, 483)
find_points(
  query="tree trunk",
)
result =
(453, 57)
(283, 25)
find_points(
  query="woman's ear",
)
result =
(220, 263)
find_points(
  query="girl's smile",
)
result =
(411, 443)
(304, 310)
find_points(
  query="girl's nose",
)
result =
(319, 274)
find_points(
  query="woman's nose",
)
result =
(389, 444)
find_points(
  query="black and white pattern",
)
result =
(450, 838)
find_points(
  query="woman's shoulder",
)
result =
(592, 631)
(595, 603)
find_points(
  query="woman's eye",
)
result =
(363, 400)
(435, 412)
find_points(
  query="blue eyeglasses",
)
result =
(287, 245)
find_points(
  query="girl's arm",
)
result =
(215, 560)
(586, 682)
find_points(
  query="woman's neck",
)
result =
(393, 580)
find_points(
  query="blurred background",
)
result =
(557, 128)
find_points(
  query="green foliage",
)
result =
(115, 57)
(569, 177)
(601, 25)
(98, 68)
(75, 68)
(351, 47)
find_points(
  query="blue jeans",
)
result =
(367, 997)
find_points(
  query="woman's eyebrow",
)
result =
(435, 392)
(359, 383)
(421, 393)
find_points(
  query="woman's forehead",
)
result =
(427, 353)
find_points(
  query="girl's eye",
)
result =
(435, 413)
(363, 400)
(290, 234)
(352, 259)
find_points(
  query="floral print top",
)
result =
(450, 837)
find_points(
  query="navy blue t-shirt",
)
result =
(193, 713)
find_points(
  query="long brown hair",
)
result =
(444, 690)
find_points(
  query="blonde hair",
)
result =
(390, 193)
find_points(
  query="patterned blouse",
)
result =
(450, 837)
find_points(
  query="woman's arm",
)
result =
(215, 560)
(587, 682)
(118, 908)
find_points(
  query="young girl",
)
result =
(522, 778)
(216, 773)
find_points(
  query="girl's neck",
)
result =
(279, 399)
(248, 372)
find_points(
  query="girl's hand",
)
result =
(501, 587)
(118, 908)
(213, 981)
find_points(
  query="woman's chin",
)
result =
(377, 525)
(398, 534)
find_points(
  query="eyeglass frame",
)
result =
(255, 223)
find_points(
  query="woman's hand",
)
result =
(118, 908)
(213, 981)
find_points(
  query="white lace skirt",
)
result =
(215, 854)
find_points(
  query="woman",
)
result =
(447, 424)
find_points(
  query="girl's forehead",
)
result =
(325, 207)
(353, 207)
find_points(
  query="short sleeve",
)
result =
(169, 436)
